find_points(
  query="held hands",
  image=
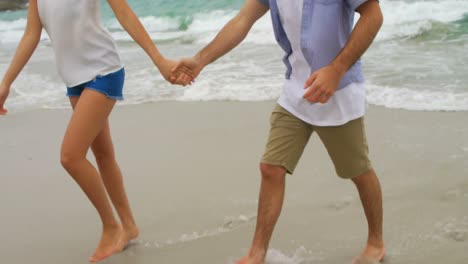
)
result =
(193, 65)
(181, 76)
(4, 91)
(322, 84)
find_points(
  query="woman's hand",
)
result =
(194, 65)
(183, 75)
(4, 92)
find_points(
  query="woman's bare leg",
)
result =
(111, 174)
(89, 118)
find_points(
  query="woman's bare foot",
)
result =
(128, 234)
(109, 244)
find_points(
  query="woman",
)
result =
(90, 66)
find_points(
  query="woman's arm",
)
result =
(26, 47)
(133, 26)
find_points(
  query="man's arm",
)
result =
(323, 83)
(362, 36)
(232, 34)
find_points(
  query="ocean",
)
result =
(418, 61)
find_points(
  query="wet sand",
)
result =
(191, 171)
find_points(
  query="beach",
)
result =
(190, 155)
(191, 170)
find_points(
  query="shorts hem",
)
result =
(118, 98)
(369, 168)
(278, 163)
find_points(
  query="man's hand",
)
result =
(322, 84)
(193, 65)
(182, 76)
(4, 91)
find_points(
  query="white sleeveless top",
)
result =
(83, 48)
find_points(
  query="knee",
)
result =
(272, 173)
(365, 177)
(68, 159)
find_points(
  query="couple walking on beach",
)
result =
(323, 93)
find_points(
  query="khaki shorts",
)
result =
(346, 144)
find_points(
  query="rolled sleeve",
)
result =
(354, 4)
(265, 2)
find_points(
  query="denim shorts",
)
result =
(111, 85)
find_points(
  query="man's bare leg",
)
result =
(269, 210)
(370, 192)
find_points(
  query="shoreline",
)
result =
(241, 76)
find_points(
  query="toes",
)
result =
(365, 260)
(95, 259)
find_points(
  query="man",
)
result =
(323, 92)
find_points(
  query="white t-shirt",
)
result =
(83, 48)
(345, 105)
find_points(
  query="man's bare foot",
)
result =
(371, 254)
(128, 234)
(109, 244)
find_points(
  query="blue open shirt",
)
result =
(326, 28)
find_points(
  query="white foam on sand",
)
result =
(230, 224)
(455, 229)
(301, 255)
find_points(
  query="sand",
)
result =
(191, 171)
